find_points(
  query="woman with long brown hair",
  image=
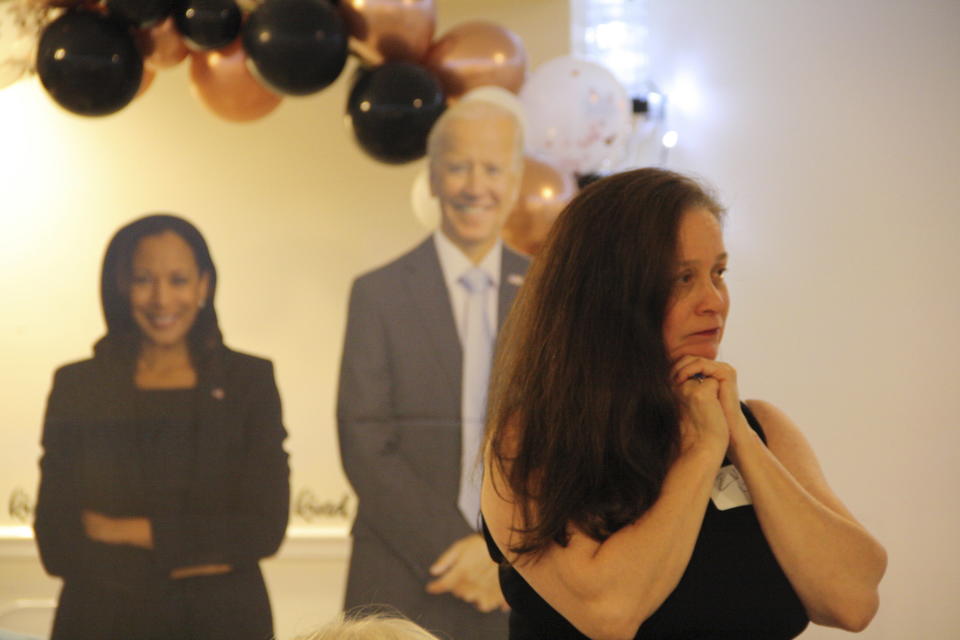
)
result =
(628, 492)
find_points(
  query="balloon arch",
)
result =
(94, 57)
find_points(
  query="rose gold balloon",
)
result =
(544, 192)
(223, 83)
(390, 29)
(145, 81)
(475, 54)
(162, 45)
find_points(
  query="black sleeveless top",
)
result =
(732, 588)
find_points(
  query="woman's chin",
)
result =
(709, 352)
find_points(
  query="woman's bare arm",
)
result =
(833, 563)
(607, 589)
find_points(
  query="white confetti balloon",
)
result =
(579, 115)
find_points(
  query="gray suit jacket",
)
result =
(398, 416)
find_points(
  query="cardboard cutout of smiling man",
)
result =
(413, 380)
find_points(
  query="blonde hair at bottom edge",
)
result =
(376, 626)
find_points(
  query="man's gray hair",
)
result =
(476, 109)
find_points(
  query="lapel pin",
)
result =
(218, 393)
(515, 279)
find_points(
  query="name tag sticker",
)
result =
(729, 489)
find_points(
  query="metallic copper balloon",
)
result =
(475, 54)
(384, 30)
(162, 45)
(223, 83)
(145, 81)
(544, 192)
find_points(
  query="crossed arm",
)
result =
(138, 532)
(188, 545)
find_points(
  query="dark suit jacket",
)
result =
(399, 424)
(236, 504)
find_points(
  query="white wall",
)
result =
(829, 129)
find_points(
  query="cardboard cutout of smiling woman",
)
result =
(163, 480)
(413, 381)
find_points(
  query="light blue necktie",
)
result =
(477, 353)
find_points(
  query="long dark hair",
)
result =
(123, 336)
(583, 420)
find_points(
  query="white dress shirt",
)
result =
(454, 263)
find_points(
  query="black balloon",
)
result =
(207, 24)
(89, 63)
(296, 46)
(392, 109)
(142, 13)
